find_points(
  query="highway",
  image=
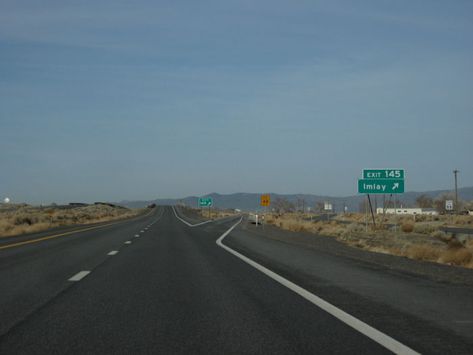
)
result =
(165, 283)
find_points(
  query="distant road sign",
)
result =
(380, 186)
(205, 202)
(265, 200)
(383, 174)
(449, 205)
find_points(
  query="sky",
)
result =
(131, 100)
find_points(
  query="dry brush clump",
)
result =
(28, 219)
(407, 227)
(423, 252)
(425, 228)
(457, 256)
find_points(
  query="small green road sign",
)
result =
(380, 186)
(205, 202)
(383, 174)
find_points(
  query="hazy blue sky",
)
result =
(111, 100)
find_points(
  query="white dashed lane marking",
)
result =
(79, 276)
(113, 252)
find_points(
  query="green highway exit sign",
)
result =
(383, 174)
(381, 186)
(205, 202)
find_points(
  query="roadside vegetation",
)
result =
(420, 238)
(20, 219)
(214, 213)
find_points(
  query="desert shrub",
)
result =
(421, 218)
(457, 256)
(440, 235)
(423, 252)
(424, 228)
(5, 226)
(352, 229)
(407, 227)
(23, 219)
(454, 243)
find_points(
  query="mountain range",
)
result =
(251, 201)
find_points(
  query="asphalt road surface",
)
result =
(162, 284)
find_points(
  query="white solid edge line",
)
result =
(79, 276)
(113, 252)
(365, 329)
(184, 221)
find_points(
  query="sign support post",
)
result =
(371, 209)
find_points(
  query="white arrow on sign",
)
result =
(395, 186)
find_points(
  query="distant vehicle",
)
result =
(153, 205)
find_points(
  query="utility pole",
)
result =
(455, 172)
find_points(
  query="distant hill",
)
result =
(250, 201)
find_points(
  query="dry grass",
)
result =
(26, 219)
(461, 220)
(423, 252)
(214, 213)
(419, 241)
(457, 256)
